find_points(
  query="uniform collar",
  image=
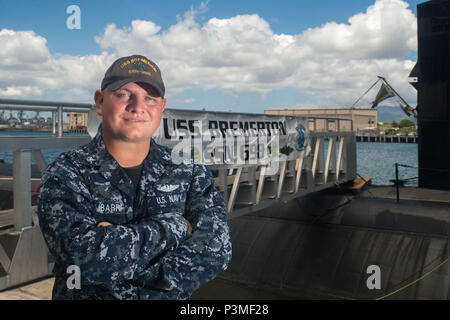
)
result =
(160, 153)
(99, 152)
(155, 164)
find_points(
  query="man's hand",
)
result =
(104, 224)
(190, 227)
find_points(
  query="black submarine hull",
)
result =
(322, 246)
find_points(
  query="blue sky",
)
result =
(48, 17)
(47, 20)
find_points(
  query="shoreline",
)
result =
(39, 130)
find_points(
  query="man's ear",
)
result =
(98, 98)
(164, 104)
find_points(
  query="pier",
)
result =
(296, 233)
(386, 139)
(246, 188)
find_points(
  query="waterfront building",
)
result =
(364, 119)
(77, 119)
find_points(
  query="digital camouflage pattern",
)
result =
(146, 253)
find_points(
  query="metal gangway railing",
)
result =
(246, 188)
(249, 188)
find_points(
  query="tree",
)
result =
(405, 123)
(394, 124)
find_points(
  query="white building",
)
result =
(364, 119)
(77, 119)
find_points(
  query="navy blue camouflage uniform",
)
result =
(146, 253)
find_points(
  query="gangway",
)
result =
(246, 187)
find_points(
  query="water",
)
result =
(4, 133)
(374, 160)
(377, 161)
(49, 155)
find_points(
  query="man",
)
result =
(137, 225)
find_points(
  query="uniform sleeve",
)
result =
(207, 252)
(104, 254)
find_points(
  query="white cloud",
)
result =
(17, 91)
(241, 54)
(28, 70)
(386, 30)
(22, 50)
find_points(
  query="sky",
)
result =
(238, 56)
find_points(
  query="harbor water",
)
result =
(374, 160)
(377, 161)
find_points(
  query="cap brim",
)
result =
(116, 85)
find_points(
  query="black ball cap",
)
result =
(134, 68)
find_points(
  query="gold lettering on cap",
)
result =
(140, 71)
(133, 60)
